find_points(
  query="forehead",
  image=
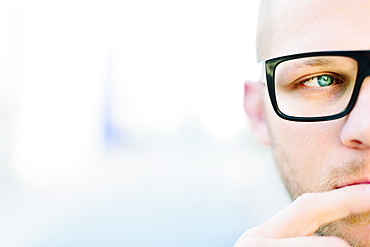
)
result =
(318, 25)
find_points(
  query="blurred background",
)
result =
(122, 124)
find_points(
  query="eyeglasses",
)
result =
(315, 86)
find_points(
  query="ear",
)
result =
(253, 105)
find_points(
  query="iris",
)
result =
(325, 80)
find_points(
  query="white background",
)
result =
(122, 124)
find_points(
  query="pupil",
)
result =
(325, 80)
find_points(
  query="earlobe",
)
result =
(253, 105)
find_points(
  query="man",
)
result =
(313, 108)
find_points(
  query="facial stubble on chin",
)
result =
(331, 178)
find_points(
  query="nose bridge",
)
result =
(362, 104)
(356, 130)
(363, 96)
(365, 88)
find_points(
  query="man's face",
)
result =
(315, 157)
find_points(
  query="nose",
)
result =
(356, 130)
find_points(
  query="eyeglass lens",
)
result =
(315, 86)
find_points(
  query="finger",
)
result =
(293, 242)
(310, 211)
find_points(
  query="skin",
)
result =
(314, 159)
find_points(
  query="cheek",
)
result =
(302, 150)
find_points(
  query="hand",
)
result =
(296, 224)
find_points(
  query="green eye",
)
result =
(320, 81)
(325, 80)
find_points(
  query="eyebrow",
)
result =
(318, 62)
(310, 61)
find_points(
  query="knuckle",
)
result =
(309, 205)
(307, 201)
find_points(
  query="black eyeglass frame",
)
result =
(363, 62)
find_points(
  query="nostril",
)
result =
(356, 144)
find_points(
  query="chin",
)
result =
(355, 229)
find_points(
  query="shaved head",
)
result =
(264, 29)
(284, 24)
